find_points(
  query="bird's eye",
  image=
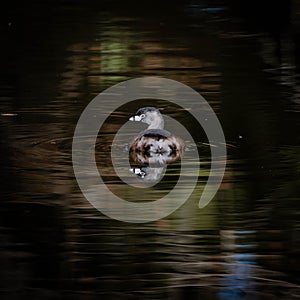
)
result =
(142, 116)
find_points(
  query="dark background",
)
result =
(243, 57)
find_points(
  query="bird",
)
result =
(155, 143)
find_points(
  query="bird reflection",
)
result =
(149, 174)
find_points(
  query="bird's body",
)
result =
(154, 140)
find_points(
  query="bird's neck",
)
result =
(157, 123)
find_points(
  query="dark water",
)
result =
(56, 57)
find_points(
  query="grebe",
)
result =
(154, 141)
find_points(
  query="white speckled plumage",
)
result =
(154, 140)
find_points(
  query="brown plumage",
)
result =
(154, 142)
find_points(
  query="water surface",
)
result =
(243, 245)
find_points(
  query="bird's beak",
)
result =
(135, 118)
